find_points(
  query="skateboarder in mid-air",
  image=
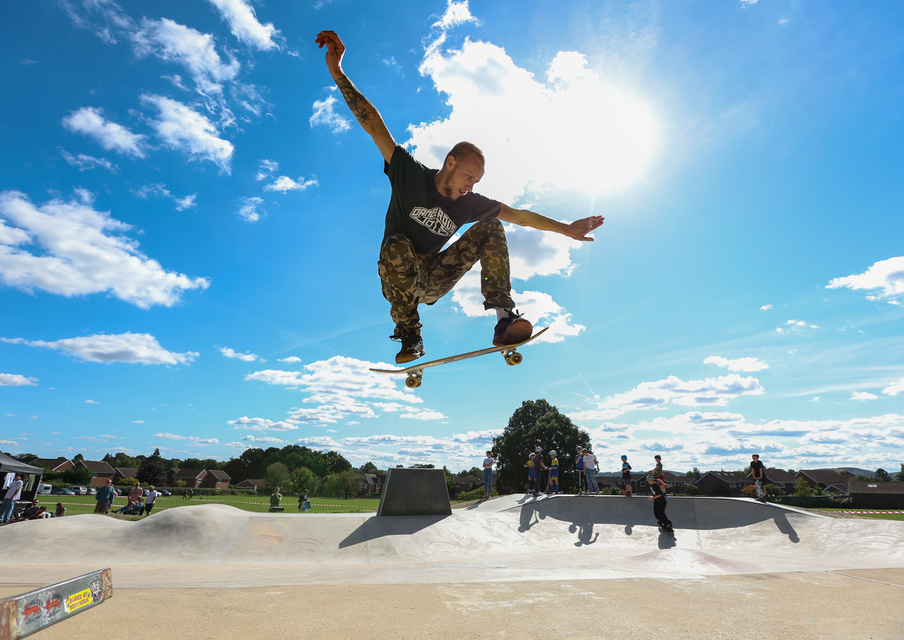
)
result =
(426, 208)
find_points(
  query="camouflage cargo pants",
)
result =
(410, 279)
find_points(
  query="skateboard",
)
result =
(415, 372)
(667, 530)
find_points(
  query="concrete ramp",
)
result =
(505, 539)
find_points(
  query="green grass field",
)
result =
(76, 505)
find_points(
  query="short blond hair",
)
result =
(464, 149)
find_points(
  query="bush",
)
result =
(475, 494)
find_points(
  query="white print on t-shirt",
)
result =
(434, 219)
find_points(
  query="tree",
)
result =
(303, 479)
(899, 477)
(882, 475)
(370, 467)
(537, 424)
(343, 485)
(151, 470)
(802, 488)
(276, 475)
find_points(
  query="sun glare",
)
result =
(611, 136)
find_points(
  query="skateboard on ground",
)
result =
(416, 372)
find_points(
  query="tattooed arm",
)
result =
(361, 107)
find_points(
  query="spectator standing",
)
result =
(553, 485)
(579, 467)
(488, 474)
(758, 472)
(539, 467)
(104, 497)
(591, 466)
(530, 472)
(275, 501)
(13, 493)
(151, 501)
(626, 476)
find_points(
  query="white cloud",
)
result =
(795, 326)
(738, 364)
(674, 391)
(90, 121)
(611, 135)
(886, 276)
(262, 424)
(894, 389)
(863, 396)
(160, 191)
(133, 348)
(267, 169)
(536, 306)
(245, 357)
(178, 44)
(248, 211)
(181, 128)
(16, 380)
(91, 402)
(285, 184)
(423, 415)
(290, 359)
(456, 13)
(325, 114)
(195, 440)
(245, 26)
(268, 441)
(84, 162)
(766, 307)
(69, 249)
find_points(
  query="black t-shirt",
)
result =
(757, 468)
(420, 212)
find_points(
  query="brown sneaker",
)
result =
(512, 330)
(412, 345)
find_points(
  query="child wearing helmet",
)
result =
(626, 476)
(553, 473)
(529, 465)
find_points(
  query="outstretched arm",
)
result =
(576, 230)
(366, 113)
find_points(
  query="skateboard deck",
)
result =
(415, 372)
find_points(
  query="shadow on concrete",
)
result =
(374, 528)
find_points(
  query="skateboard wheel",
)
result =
(514, 358)
(412, 382)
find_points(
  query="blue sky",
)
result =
(190, 221)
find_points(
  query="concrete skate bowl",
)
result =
(508, 539)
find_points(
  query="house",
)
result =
(54, 465)
(373, 483)
(722, 483)
(461, 484)
(780, 478)
(258, 483)
(877, 495)
(828, 480)
(216, 479)
(192, 478)
(100, 471)
(125, 475)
